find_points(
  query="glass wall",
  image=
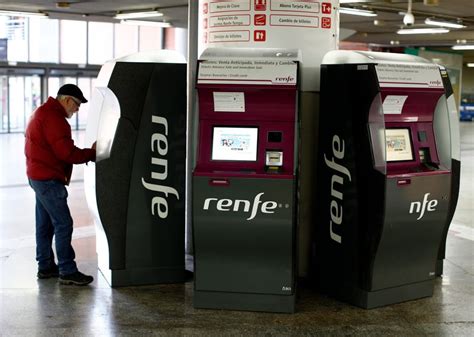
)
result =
(59, 52)
(3, 104)
(20, 96)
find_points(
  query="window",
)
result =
(44, 40)
(15, 30)
(126, 40)
(151, 38)
(73, 41)
(101, 42)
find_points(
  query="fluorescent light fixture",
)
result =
(355, 11)
(137, 15)
(28, 14)
(146, 23)
(463, 47)
(407, 31)
(442, 23)
(470, 65)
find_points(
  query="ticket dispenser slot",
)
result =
(383, 184)
(244, 188)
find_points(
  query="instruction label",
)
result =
(229, 101)
(396, 75)
(231, 71)
(393, 104)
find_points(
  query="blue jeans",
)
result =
(53, 218)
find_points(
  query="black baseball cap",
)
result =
(72, 90)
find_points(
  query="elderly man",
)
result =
(50, 154)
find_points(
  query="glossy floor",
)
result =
(31, 307)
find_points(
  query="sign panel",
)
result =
(308, 25)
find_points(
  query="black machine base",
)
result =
(241, 301)
(133, 277)
(374, 299)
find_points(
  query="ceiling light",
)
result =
(63, 4)
(28, 14)
(442, 23)
(355, 11)
(146, 23)
(470, 65)
(463, 47)
(422, 31)
(137, 15)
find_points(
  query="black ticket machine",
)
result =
(135, 190)
(385, 176)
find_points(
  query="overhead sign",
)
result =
(308, 25)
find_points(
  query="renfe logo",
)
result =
(419, 207)
(335, 209)
(226, 205)
(159, 146)
(287, 79)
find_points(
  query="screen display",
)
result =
(398, 145)
(234, 143)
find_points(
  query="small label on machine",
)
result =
(393, 104)
(229, 101)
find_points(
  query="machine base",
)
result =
(241, 301)
(136, 277)
(374, 299)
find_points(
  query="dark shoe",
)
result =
(48, 273)
(77, 278)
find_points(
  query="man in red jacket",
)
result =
(50, 154)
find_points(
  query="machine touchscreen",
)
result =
(398, 145)
(234, 143)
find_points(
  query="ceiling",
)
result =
(389, 20)
(355, 28)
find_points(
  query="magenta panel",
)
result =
(268, 108)
(420, 104)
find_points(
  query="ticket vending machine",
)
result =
(385, 177)
(244, 181)
(135, 190)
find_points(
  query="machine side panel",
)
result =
(343, 241)
(155, 220)
(112, 190)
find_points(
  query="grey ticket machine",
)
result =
(244, 183)
(387, 175)
(136, 188)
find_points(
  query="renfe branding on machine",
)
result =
(225, 205)
(420, 207)
(335, 209)
(159, 146)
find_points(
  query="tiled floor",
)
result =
(31, 307)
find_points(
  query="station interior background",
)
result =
(38, 55)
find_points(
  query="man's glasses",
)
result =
(78, 103)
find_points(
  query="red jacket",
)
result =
(49, 148)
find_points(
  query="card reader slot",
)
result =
(219, 182)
